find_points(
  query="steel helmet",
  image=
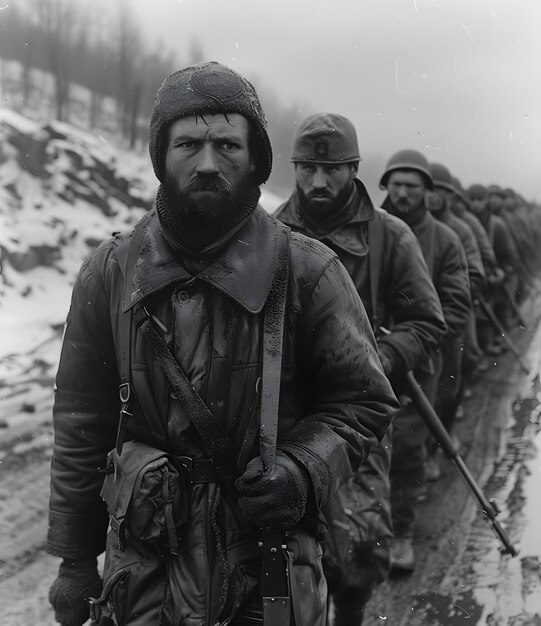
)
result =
(408, 160)
(459, 189)
(441, 177)
(496, 190)
(477, 192)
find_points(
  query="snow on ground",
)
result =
(62, 191)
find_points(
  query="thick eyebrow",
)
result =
(227, 135)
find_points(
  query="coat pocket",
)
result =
(133, 583)
(147, 497)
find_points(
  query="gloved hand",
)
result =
(387, 358)
(496, 278)
(76, 581)
(276, 500)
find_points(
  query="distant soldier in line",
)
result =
(407, 178)
(461, 206)
(522, 231)
(451, 386)
(386, 264)
(474, 360)
(483, 206)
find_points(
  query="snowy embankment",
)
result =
(62, 191)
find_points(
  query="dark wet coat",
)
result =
(485, 248)
(335, 405)
(447, 264)
(405, 302)
(476, 270)
(501, 240)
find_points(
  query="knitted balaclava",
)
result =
(208, 88)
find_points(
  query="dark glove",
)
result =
(496, 278)
(276, 500)
(387, 358)
(76, 581)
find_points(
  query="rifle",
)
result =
(487, 310)
(515, 307)
(438, 431)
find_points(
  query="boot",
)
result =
(433, 467)
(402, 554)
(348, 619)
(349, 607)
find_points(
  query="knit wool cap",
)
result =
(477, 192)
(326, 138)
(208, 88)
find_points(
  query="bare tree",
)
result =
(129, 47)
(57, 19)
(196, 53)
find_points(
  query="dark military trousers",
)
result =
(409, 456)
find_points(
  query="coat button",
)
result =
(183, 297)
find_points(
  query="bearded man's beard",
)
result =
(213, 210)
(199, 222)
(323, 211)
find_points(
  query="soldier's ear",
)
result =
(354, 169)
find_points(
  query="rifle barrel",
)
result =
(434, 424)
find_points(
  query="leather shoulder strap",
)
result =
(273, 337)
(375, 256)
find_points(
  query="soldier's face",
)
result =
(509, 203)
(478, 205)
(436, 200)
(457, 204)
(495, 202)
(406, 190)
(208, 159)
(324, 186)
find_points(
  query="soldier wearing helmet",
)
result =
(450, 385)
(386, 264)
(474, 358)
(407, 178)
(484, 201)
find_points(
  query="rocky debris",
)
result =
(61, 187)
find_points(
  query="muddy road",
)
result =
(461, 576)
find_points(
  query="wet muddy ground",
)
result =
(461, 576)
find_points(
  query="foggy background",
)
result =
(457, 79)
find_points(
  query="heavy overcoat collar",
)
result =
(346, 236)
(243, 271)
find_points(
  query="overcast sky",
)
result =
(459, 80)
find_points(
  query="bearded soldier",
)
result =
(247, 379)
(407, 178)
(382, 256)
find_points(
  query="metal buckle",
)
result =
(187, 464)
(124, 391)
(95, 610)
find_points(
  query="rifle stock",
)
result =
(438, 431)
